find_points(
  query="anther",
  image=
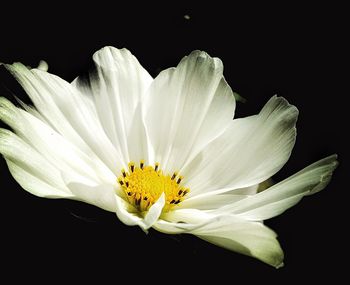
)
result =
(129, 193)
(174, 175)
(179, 179)
(180, 192)
(142, 163)
(127, 183)
(131, 166)
(177, 202)
(123, 172)
(156, 166)
(172, 201)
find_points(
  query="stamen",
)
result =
(131, 166)
(144, 185)
(179, 179)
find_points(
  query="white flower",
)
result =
(162, 153)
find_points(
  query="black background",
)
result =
(294, 51)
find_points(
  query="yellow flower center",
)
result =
(143, 185)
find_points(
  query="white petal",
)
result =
(250, 151)
(30, 169)
(168, 227)
(246, 190)
(61, 153)
(211, 202)
(33, 184)
(43, 65)
(231, 232)
(117, 85)
(154, 212)
(251, 190)
(138, 146)
(181, 221)
(102, 196)
(270, 210)
(67, 111)
(187, 107)
(129, 216)
(248, 238)
(278, 198)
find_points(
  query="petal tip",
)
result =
(280, 265)
(203, 57)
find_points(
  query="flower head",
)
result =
(163, 153)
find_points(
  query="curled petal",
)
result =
(278, 198)
(129, 215)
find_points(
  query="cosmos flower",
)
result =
(164, 153)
